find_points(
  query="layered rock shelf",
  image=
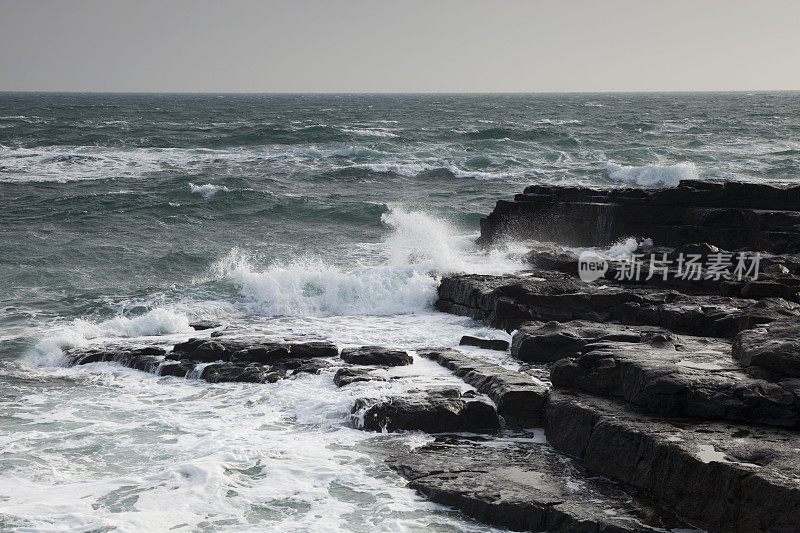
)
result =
(731, 215)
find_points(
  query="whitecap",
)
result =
(208, 190)
(653, 175)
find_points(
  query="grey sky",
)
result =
(400, 46)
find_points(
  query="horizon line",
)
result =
(378, 93)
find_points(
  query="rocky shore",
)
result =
(653, 402)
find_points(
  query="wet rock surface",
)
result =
(730, 215)
(431, 411)
(349, 375)
(524, 485)
(695, 377)
(487, 344)
(721, 476)
(376, 355)
(506, 302)
(520, 399)
(218, 360)
(547, 343)
(774, 347)
(685, 391)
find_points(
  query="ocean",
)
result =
(127, 216)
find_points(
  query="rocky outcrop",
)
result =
(730, 215)
(688, 377)
(506, 302)
(486, 344)
(524, 486)
(349, 375)
(721, 476)
(217, 360)
(774, 347)
(376, 355)
(431, 411)
(686, 391)
(520, 399)
(535, 342)
(778, 276)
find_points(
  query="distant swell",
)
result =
(536, 134)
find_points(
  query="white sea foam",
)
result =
(418, 249)
(208, 190)
(159, 321)
(382, 133)
(653, 175)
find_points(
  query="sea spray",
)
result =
(419, 249)
(79, 332)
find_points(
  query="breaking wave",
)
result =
(652, 175)
(403, 280)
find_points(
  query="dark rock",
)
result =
(534, 342)
(233, 372)
(375, 355)
(488, 344)
(519, 398)
(768, 289)
(694, 377)
(249, 349)
(721, 476)
(200, 325)
(347, 375)
(431, 411)
(729, 214)
(176, 368)
(524, 486)
(314, 349)
(775, 346)
(238, 359)
(120, 354)
(507, 302)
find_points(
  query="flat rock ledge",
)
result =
(444, 410)
(507, 302)
(376, 355)
(523, 485)
(520, 399)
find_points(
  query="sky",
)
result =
(399, 46)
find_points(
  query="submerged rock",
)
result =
(200, 325)
(431, 411)
(217, 360)
(376, 355)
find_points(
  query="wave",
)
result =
(418, 250)
(208, 190)
(536, 134)
(159, 321)
(653, 175)
(369, 133)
